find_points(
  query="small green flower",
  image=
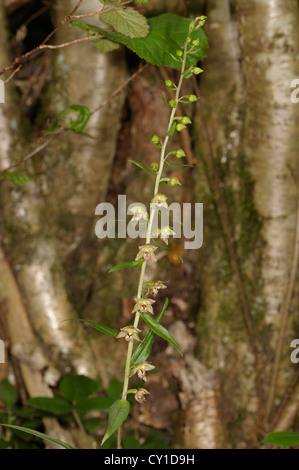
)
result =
(179, 53)
(154, 287)
(180, 153)
(192, 98)
(155, 166)
(174, 181)
(197, 70)
(180, 127)
(160, 200)
(141, 370)
(139, 213)
(186, 120)
(140, 395)
(130, 333)
(155, 139)
(172, 103)
(146, 252)
(144, 305)
(168, 83)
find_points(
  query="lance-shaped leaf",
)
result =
(282, 439)
(143, 350)
(177, 164)
(39, 434)
(126, 21)
(118, 413)
(140, 165)
(98, 326)
(160, 330)
(128, 264)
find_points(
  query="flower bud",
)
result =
(168, 83)
(155, 166)
(174, 181)
(192, 98)
(155, 139)
(180, 127)
(179, 53)
(172, 103)
(186, 120)
(180, 153)
(197, 70)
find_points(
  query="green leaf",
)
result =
(282, 439)
(118, 413)
(105, 45)
(140, 165)
(126, 21)
(16, 178)
(56, 405)
(114, 389)
(167, 34)
(77, 387)
(140, 1)
(90, 29)
(8, 393)
(102, 328)
(94, 403)
(38, 434)
(128, 264)
(160, 330)
(77, 125)
(176, 164)
(143, 350)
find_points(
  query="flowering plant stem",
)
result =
(149, 227)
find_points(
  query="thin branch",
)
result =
(235, 262)
(283, 320)
(275, 423)
(53, 137)
(24, 57)
(66, 44)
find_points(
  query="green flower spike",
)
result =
(146, 252)
(144, 305)
(130, 333)
(141, 370)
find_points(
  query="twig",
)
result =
(235, 262)
(283, 320)
(22, 58)
(61, 131)
(121, 87)
(284, 402)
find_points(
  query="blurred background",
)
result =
(233, 303)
